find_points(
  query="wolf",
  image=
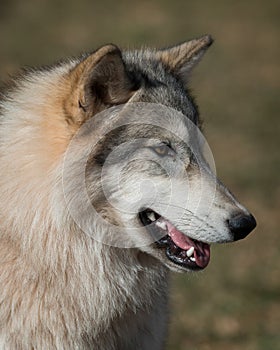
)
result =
(101, 199)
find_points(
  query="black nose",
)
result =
(241, 225)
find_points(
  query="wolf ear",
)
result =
(181, 59)
(99, 81)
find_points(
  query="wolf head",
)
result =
(146, 172)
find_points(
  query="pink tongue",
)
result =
(201, 250)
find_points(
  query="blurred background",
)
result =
(235, 302)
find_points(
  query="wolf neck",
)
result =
(87, 285)
(113, 284)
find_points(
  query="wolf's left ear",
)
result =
(100, 80)
(181, 59)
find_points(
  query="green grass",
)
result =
(235, 303)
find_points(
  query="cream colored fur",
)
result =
(61, 289)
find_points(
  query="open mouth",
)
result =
(179, 248)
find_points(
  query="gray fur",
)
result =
(63, 287)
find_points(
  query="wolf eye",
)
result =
(163, 150)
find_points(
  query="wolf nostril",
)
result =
(241, 225)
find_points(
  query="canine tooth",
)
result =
(152, 216)
(162, 225)
(190, 252)
(192, 258)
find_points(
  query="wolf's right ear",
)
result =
(98, 82)
(181, 59)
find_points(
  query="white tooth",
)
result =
(190, 252)
(162, 225)
(192, 258)
(152, 216)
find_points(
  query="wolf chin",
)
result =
(61, 287)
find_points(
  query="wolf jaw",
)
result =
(179, 248)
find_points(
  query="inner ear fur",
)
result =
(99, 81)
